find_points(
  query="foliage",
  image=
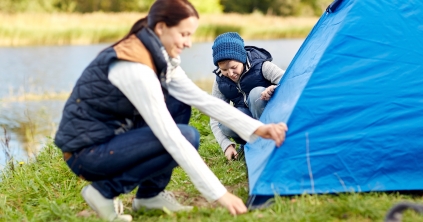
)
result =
(316, 7)
(207, 6)
(284, 7)
(277, 7)
(106, 5)
(69, 5)
(13, 6)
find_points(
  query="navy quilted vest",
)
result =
(97, 110)
(238, 92)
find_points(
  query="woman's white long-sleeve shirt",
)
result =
(141, 86)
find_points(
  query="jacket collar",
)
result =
(164, 64)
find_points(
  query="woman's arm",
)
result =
(223, 140)
(183, 89)
(141, 86)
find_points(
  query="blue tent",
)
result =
(353, 101)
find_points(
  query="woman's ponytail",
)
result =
(138, 25)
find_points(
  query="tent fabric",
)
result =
(352, 98)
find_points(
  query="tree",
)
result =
(34, 5)
(110, 5)
(239, 6)
(207, 6)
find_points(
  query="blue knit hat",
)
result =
(229, 46)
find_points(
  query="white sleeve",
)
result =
(221, 138)
(141, 86)
(183, 89)
(272, 72)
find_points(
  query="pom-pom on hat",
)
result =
(229, 46)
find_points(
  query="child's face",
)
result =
(231, 69)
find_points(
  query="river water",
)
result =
(34, 82)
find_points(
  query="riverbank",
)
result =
(46, 190)
(91, 28)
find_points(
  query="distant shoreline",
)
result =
(204, 84)
(83, 29)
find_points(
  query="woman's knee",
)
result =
(191, 134)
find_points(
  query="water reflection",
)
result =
(28, 124)
(37, 80)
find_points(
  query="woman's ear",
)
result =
(159, 28)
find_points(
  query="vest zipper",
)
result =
(239, 88)
(245, 96)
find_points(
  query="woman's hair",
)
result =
(171, 12)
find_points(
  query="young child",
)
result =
(246, 77)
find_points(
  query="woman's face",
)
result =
(176, 38)
(231, 69)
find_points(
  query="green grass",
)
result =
(46, 190)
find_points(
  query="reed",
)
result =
(29, 127)
(63, 29)
(79, 29)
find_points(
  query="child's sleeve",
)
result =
(223, 140)
(272, 72)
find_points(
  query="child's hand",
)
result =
(268, 92)
(230, 152)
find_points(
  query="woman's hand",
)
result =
(268, 92)
(230, 152)
(273, 131)
(232, 203)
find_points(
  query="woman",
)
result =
(125, 124)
